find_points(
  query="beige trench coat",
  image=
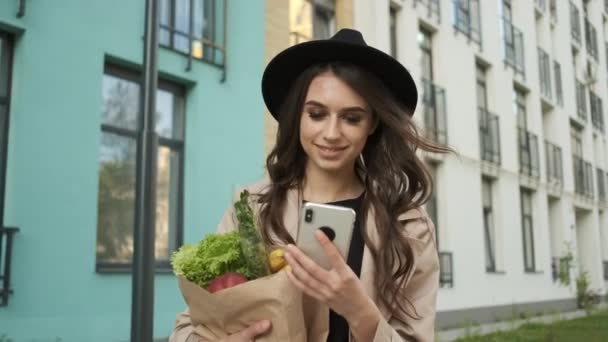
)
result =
(420, 288)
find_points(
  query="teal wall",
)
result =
(52, 174)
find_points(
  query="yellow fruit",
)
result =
(276, 260)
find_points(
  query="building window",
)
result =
(193, 30)
(488, 224)
(431, 205)
(583, 170)
(559, 93)
(527, 230)
(6, 55)
(591, 40)
(544, 66)
(513, 47)
(581, 100)
(527, 141)
(597, 112)
(393, 29)
(433, 96)
(467, 19)
(311, 19)
(489, 132)
(575, 24)
(121, 123)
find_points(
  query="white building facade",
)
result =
(517, 89)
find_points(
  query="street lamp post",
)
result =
(142, 310)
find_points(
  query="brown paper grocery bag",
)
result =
(294, 316)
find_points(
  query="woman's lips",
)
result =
(330, 152)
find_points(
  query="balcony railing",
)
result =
(433, 6)
(554, 161)
(591, 40)
(581, 102)
(489, 135)
(434, 111)
(6, 250)
(467, 19)
(597, 113)
(575, 24)
(583, 177)
(446, 269)
(528, 153)
(601, 185)
(514, 47)
(544, 66)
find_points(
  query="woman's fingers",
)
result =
(304, 276)
(332, 252)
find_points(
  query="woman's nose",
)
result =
(332, 128)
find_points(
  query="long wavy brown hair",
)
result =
(395, 178)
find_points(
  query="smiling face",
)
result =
(334, 125)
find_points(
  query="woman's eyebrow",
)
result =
(346, 109)
(315, 103)
(354, 109)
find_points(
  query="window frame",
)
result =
(528, 217)
(489, 236)
(210, 43)
(8, 46)
(173, 144)
(557, 76)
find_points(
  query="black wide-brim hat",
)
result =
(347, 45)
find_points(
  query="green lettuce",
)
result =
(212, 257)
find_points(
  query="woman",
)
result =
(346, 137)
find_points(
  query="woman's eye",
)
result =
(353, 119)
(316, 115)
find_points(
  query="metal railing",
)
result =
(489, 136)
(6, 250)
(528, 153)
(467, 19)
(581, 102)
(583, 177)
(597, 113)
(446, 269)
(554, 161)
(435, 124)
(575, 24)
(544, 67)
(591, 40)
(514, 47)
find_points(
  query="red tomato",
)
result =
(225, 281)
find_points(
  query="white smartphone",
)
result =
(335, 221)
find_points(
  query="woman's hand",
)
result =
(339, 288)
(250, 333)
